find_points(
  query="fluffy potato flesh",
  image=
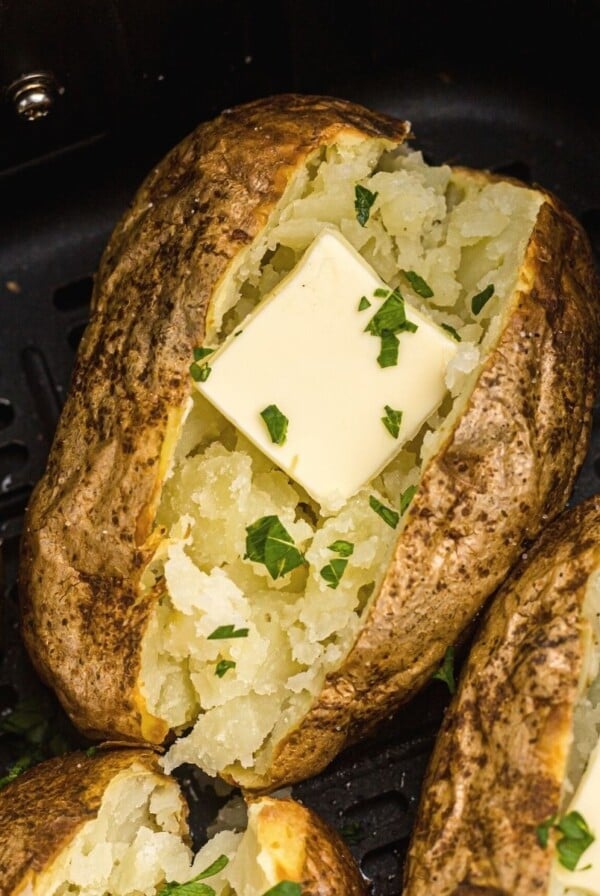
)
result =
(585, 737)
(233, 699)
(134, 846)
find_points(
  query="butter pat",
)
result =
(305, 351)
(586, 802)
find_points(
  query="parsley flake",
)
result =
(91, 751)
(341, 547)
(542, 831)
(388, 356)
(201, 353)
(446, 671)
(420, 286)
(364, 303)
(363, 200)
(277, 423)
(16, 769)
(285, 888)
(269, 542)
(200, 372)
(228, 631)
(224, 666)
(389, 516)
(353, 832)
(385, 323)
(452, 332)
(575, 839)
(333, 572)
(392, 421)
(406, 497)
(381, 292)
(194, 887)
(482, 298)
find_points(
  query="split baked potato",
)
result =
(505, 807)
(113, 824)
(145, 603)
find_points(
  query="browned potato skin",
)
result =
(483, 497)
(43, 809)
(312, 853)
(500, 757)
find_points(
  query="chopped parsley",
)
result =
(452, 332)
(333, 572)
(224, 666)
(386, 322)
(364, 303)
(420, 286)
(406, 497)
(482, 298)
(228, 631)
(389, 516)
(17, 768)
(363, 200)
(269, 542)
(33, 730)
(201, 353)
(341, 547)
(277, 423)
(381, 292)
(200, 372)
(91, 751)
(392, 421)
(285, 888)
(194, 887)
(353, 832)
(446, 671)
(575, 839)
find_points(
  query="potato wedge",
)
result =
(135, 539)
(516, 738)
(114, 824)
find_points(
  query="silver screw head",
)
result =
(33, 95)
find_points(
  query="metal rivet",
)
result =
(33, 95)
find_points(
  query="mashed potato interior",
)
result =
(135, 845)
(232, 696)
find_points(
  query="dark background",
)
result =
(509, 86)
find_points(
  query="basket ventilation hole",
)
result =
(74, 295)
(520, 170)
(7, 414)
(12, 457)
(75, 334)
(591, 221)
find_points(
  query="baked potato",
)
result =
(505, 807)
(113, 824)
(150, 601)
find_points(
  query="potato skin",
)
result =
(483, 497)
(42, 810)
(500, 757)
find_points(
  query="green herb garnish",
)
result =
(269, 542)
(446, 671)
(363, 200)
(201, 353)
(277, 423)
(285, 888)
(452, 332)
(388, 356)
(575, 839)
(194, 887)
(200, 372)
(392, 421)
(481, 299)
(542, 832)
(228, 631)
(406, 497)
(389, 516)
(364, 303)
(353, 832)
(224, 666)
(17, 768)
(420, 286)
(333, 572)
(91, 751)
(381, 292)
(341, 547)
(385, 323)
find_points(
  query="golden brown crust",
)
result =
(499, 761)
(486, 493)
(43, 809)
(326, 865)
(83, 546)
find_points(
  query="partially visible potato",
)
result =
(113, 825)
(517, 736)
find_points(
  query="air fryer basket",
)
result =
(55, 217)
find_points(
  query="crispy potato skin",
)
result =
(483, 497)
(325, 864)
(499, 761)
(43, 809)
(88, 521)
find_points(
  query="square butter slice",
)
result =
(305, 351)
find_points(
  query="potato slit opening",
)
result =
(240, 695)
